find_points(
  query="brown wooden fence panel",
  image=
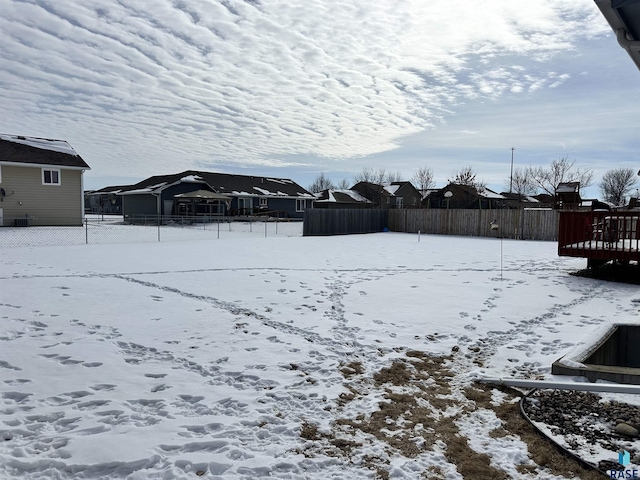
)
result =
(343, 221)
(511, 223)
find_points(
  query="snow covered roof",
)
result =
(191, 178)
(391, 189)
(236, 185)
(39, 151)
(340, 196)
(488, 193)
(203, 194)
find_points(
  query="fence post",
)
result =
(158, 227)
(86, 231)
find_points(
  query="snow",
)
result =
(201, 355)
(352, 193)
(263, 191)
(487, 193)
(624, 245)
(43, 143)
(192, 178)
(148, 189)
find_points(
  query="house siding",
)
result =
(139, 205)
(285, 205)
(42, 204)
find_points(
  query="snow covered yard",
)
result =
(283, 357)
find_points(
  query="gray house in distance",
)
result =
(106, 200)
(392, 195)
(41, 182)
(202, 194)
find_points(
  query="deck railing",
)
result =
(600, 236)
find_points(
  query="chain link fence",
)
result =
(103, 229)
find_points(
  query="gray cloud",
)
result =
(151, 86)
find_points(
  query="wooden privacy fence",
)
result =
(344, 221)
(507, 223)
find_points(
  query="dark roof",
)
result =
(107, 190)
(519, 197)
(39, 151)
(341, 196)
(473, 191)
(224, 183)
(205, 194)
(624, 18)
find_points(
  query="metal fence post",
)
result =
(158, 227)
(86, 231)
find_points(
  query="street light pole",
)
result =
(511, 177)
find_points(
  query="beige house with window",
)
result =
(41, 182)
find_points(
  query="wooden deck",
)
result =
(600, 236)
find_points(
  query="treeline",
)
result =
(616, 185)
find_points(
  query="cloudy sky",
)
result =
(292, 88)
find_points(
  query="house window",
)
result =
(399, 202)
(301, 204)
(50, 176)
(414, 201)
(0, 173)
(263, 202)
(388, 200)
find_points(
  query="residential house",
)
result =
(465, 197)
(41, 182)
(331, 199)
(519, 201)
(546, 200)
(393, 195)
(105, 200)
(220, 194)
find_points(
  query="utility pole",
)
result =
(511, 177)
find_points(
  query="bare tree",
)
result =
(466, 176)
(379, 176)
(320, 183)
(423, 178)
(559, 171)
(366, 175)
(343, 184)
(521, 183)
(394, 177)
(616, 185)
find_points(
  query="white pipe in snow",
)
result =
(584, 387)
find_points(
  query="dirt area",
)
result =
(419, 411)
